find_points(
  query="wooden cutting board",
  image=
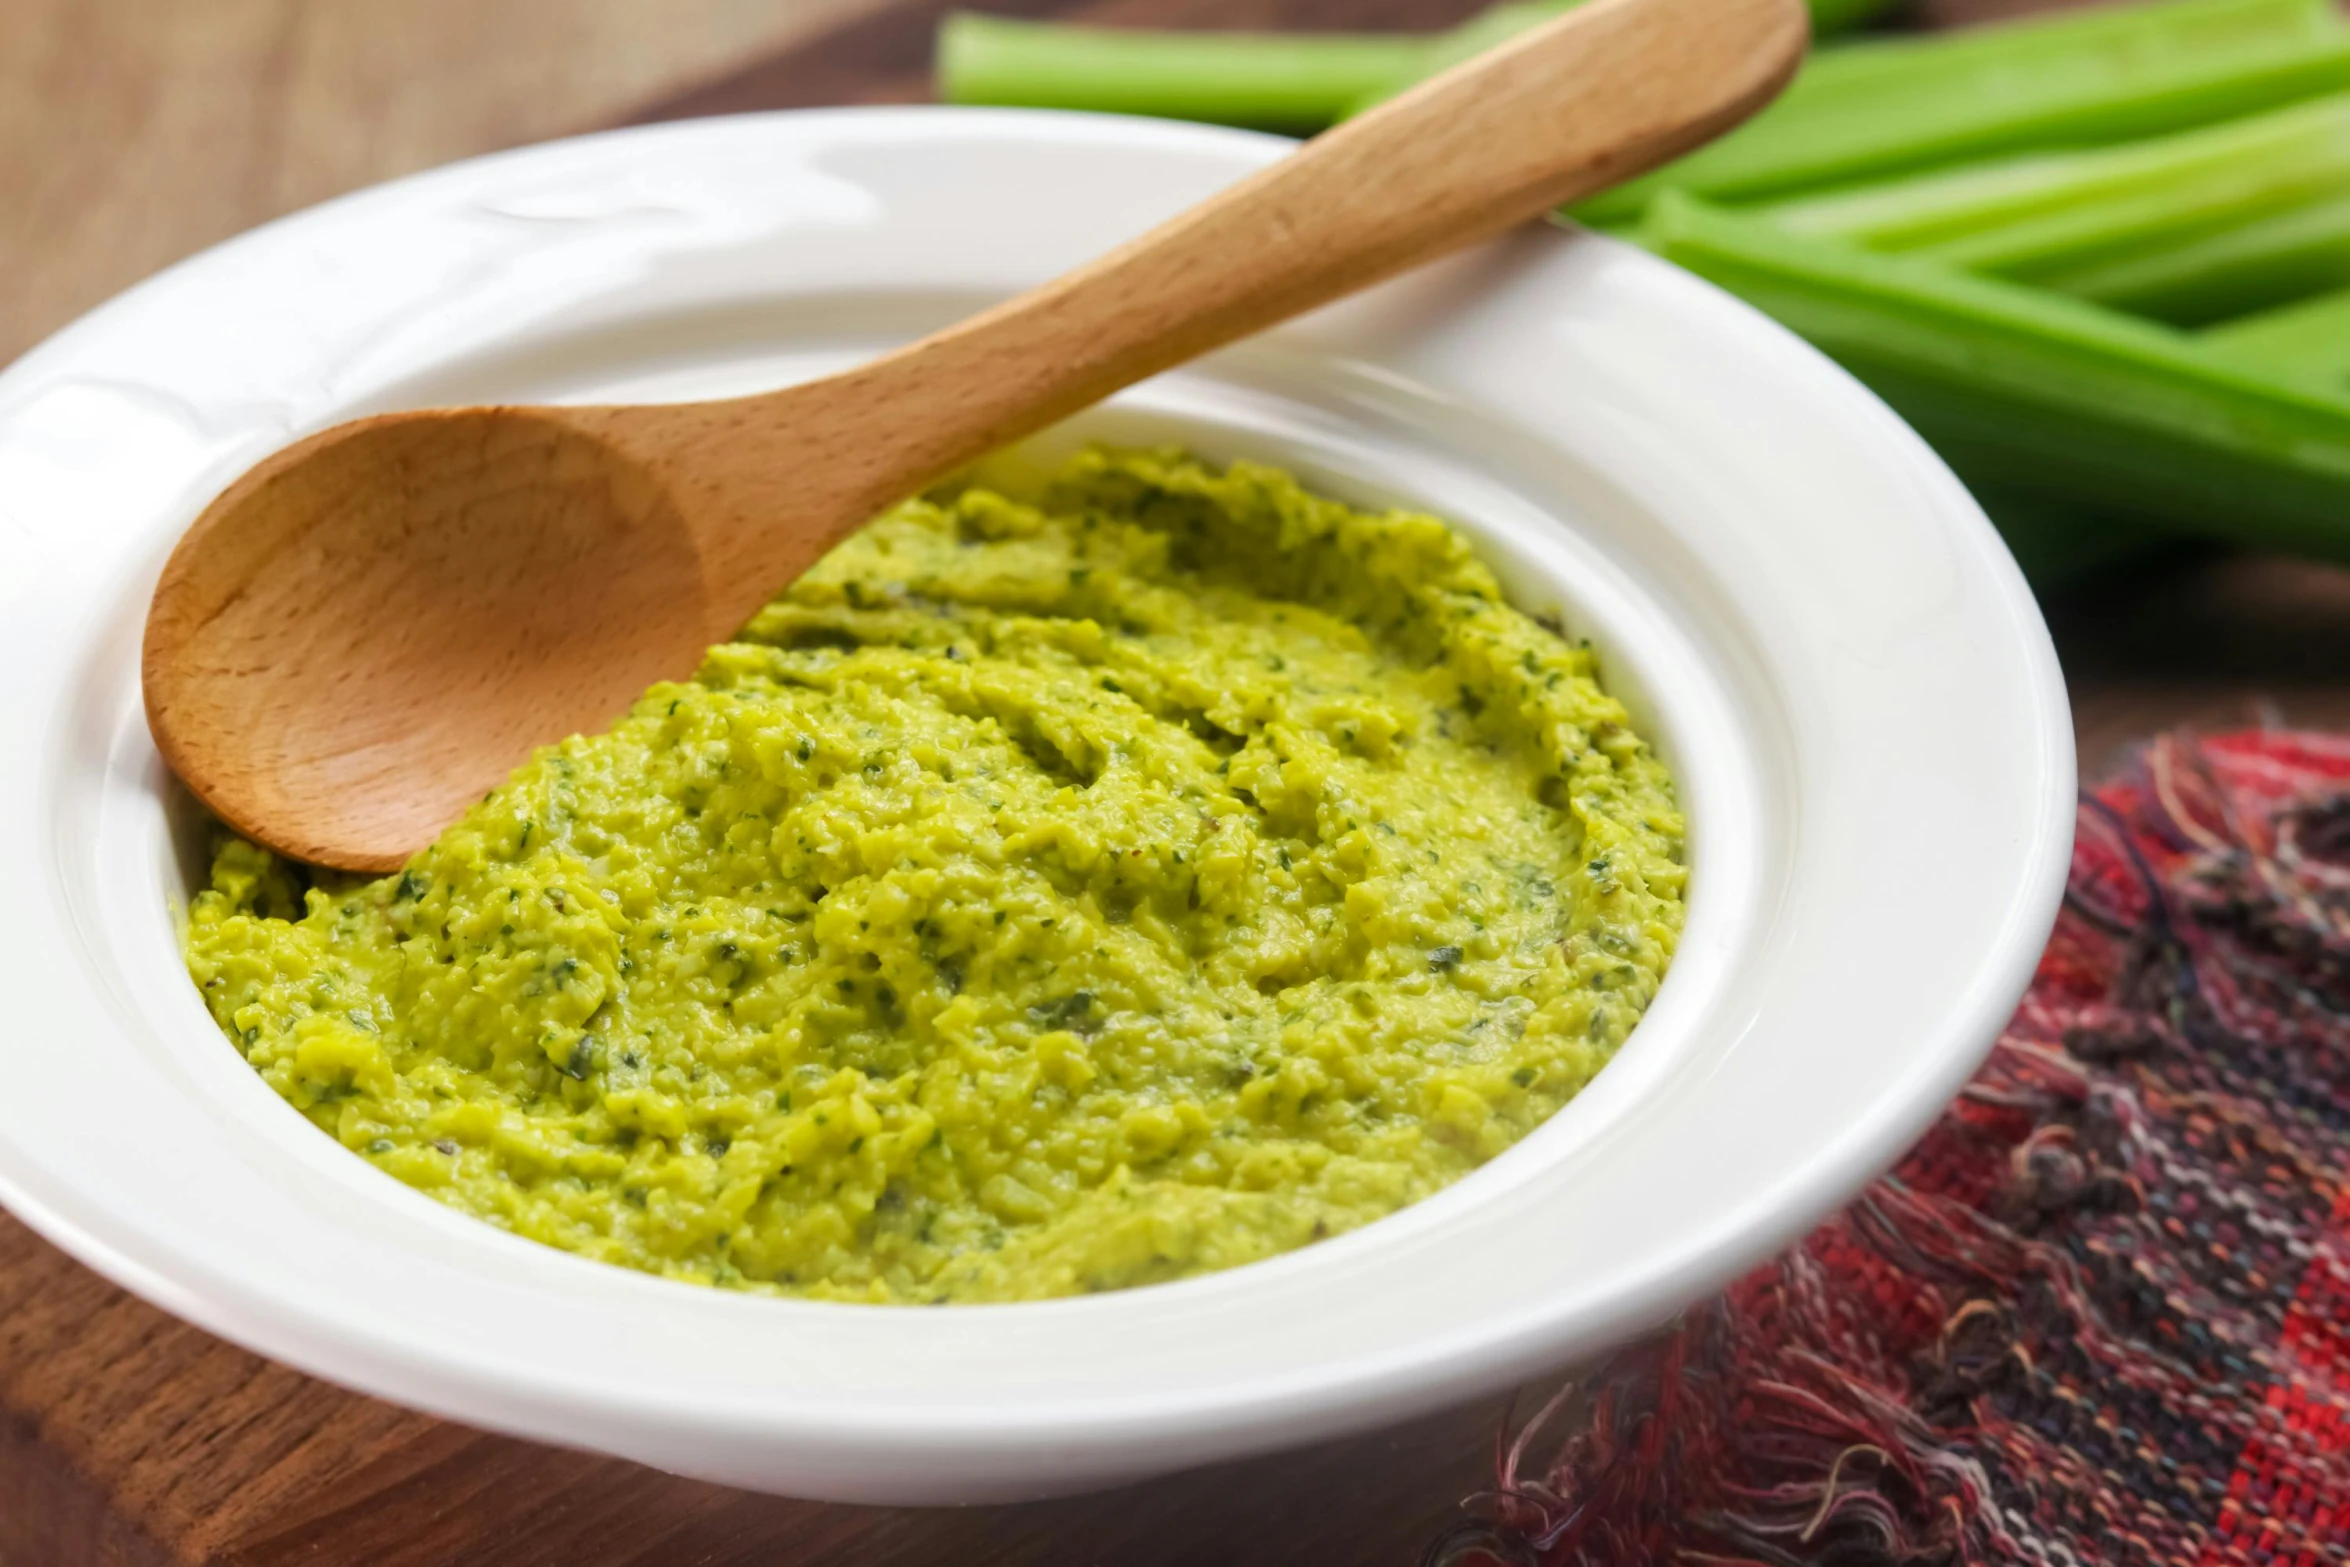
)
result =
(131, 1440)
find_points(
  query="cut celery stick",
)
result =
(2305, 345)
(2043, 215)
(1282, 81)
(1876, 108)
(1271, 81)
(2029, 393)
(2255, 266)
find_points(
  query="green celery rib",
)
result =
(1882, 107)
(2041, 216)
(2255, 266)
(1267, 81)
(1272, 81)
(2306, 345)
(2030, 394)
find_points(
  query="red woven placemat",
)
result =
(2101, 1314)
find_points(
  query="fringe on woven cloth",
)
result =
(2101, 1314)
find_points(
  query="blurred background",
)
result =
(133, 132)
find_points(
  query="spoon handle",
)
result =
(1603, 93)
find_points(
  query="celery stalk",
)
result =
(2306, 345)
(2107, 74)
(2031, 394)
(1271, 81)
(2255, 266)
(1281, 81)
(2045, 215)
(1950, 211)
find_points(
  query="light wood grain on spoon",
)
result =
(371, 629)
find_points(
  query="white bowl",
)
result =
(1805, 609)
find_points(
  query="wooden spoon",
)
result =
(372, 628)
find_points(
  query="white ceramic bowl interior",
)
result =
(1802, 606)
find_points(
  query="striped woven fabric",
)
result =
(2101, 1314)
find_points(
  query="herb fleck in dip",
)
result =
(1035, 899)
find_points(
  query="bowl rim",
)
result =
(1142, 1431)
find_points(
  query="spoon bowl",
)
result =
(559, 565)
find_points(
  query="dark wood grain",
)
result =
(131, 1440)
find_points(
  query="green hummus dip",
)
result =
(1035, 899)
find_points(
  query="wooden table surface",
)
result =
(133, 132)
